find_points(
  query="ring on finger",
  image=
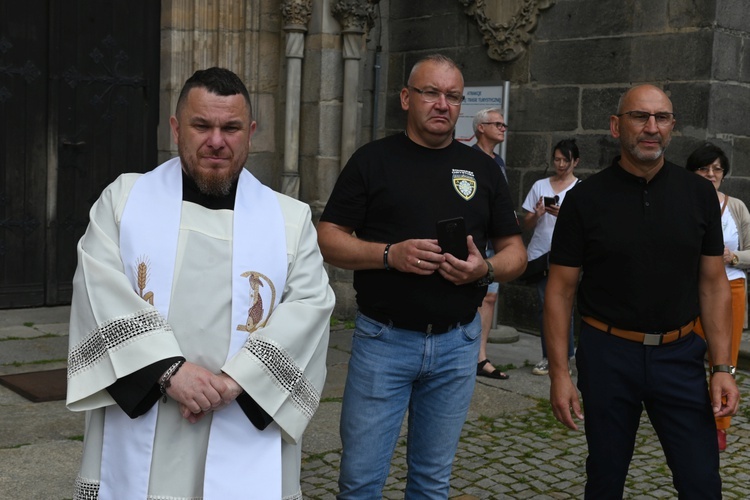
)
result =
(419, 261)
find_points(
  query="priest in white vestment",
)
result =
(200, 320)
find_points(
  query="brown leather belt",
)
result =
(653, 338)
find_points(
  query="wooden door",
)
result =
(81, 107)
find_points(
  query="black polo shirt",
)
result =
(392, 190)
(639, 245)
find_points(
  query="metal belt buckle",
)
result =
(652, 338)
(429, 328)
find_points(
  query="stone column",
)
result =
(296, 14)
(355, 17)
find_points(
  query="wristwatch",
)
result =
(723, 368)
(489, 277)
(735, 259)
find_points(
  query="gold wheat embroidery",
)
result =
(141, 267)
(255, 312)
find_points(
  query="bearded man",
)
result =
(199, 321)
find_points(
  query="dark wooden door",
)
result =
(78, 106)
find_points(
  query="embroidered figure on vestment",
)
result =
(141, 266)
(255, 314)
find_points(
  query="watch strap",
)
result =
(489, 277)
(723, 368)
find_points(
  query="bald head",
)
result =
(638, 92)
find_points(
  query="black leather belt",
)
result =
(417, 326)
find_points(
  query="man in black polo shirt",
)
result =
(417, 333)
(648, 238)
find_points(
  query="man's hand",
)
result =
(233, 390)
(196, 389)
(460, 272)
(564, 399)
(725, 396)
(415, 256)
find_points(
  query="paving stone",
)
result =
(515, 451)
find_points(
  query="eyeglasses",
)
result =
(709, 168)
(434, 96)
(663, 119)
(499, 125)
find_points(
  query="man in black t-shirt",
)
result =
(647, 236)
(417, 332)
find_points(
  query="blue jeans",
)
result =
(540, 287)
(390, 370)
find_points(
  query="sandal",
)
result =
(496, 374)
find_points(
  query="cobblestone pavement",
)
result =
(527, 454)
(511, 445)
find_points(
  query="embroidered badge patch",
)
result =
(464, 183)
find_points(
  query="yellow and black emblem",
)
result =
(464, 183)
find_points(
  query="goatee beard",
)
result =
(214, 185)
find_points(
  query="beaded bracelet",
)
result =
(164, 382)
(385, 257)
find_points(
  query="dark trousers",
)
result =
(617, 378)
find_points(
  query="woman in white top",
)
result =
(709, 161)
(541, 216)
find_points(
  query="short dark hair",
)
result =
(219, 81)
(568, 148)
(706, 154)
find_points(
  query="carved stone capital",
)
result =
(506, 24)
(296, 13)
(355, 16)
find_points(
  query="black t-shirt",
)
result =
(392, 190)
(639, 245)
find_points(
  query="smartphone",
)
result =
(451, 235)
(551, 200)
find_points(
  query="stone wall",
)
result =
(564, 83)
(581, 57)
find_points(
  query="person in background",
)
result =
(200, 319)
(710, 162)
(417, 331)
(540, 216)
(489, 129)
(644, 237)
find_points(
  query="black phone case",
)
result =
(451, 235)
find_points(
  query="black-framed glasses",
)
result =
(499, 125)
(708, 168)
(434, 96)
(662, 118)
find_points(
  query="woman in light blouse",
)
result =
(709, 161)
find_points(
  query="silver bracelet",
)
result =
(164, 382)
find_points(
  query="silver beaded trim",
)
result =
(281, 366)
(85, 489)
(114, 334)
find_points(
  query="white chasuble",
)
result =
(241, 461)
